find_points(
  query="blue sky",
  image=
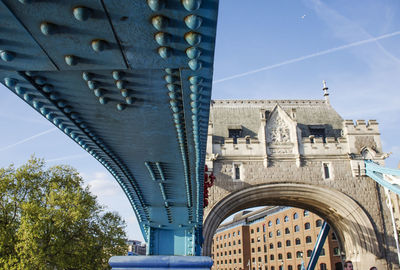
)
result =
(264, 50)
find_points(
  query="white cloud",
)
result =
(102, 185)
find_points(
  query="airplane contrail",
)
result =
(298, 59)
(68, 157)
(28, 139)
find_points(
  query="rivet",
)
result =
(195, 64)
(74, 116)
(83, 125)
(10, 82)
(120, 84)
(47, 88)
(98, 92)
(61, 104)
(164, 52)
(195, 88)
(191, 5)
(172, 87)
(92, 84)
(193, 52)
(56, 121)
(86, 76)
(120, 106)
(117, 75)
(71, 60)
(169, 70)
(50, 116)
(82, 13)
(159, 22)
(20, 90)
(37, 104)
(44, 110)
(193, 21)
(25, 1)
(130, 100)
(7, 56)
(48, 28)
(103, 100)
(54, 96)
(28, 97)
(40, 80)
(67, 109)
(156, 5)
(193, 38)
(124, 92)
(169, 78)
(28, 73)
(162, 38)
(195, 79)
(98, 45)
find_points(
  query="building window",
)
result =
(234, 134)
(297, 228)
(287, 231)
(286, 219)
(279, 244)
(299, 254)
(290, 267)
(270, 234)
(265, 238)
(309, 252)
(299, 267)
(298, 242)
(252, 240)
(265, 248)
(234, 234)
(252, 250)
(318, 133)
(307, 226)
(322, 252)
(326, 170)
(271, 257)
(239, 241)
(234, 242)
(238, 232)
(322, 266)
(278, 221)
(306, 213)
(234, 251)
(271, 246)
(272, 268)
(336, 251)
(239, 251)
(264, 228)
(280, 257)
(288, 255)
(265, 258)
(252, 231)
(318, 223)
(259, 259)
(236, 171)
(229, 235)
(269, 223)
(258, 229)
(308, 239)
(278, 232)
(288, 243)
(259, 249)
(240, 260)
(295, 216)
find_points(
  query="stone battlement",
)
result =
(361, 126)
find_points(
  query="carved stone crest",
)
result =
(277, 130)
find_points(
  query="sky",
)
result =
(264, 50)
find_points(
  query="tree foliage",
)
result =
(49, 221)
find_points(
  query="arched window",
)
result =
(269, 223)
(263, 227)
(288, 243)
(290, 267)
(258, 229)
(309, 252)
(295, 216)
(278, 232)
(307, 226)
(278, 221)
(279, 244)
(298, 242)
(308, 239)
(271, 246)
(280, 257)
(270, 234)
(318, 223)
(306, 213)
(286, 219)
(299, 254)
(288, 255)
(322, 252)
(271, 257)
(322, 266)
(299, 267)
(297, 228)
(252, 231)
(287, 231)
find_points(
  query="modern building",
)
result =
(273, 238)
(136, 247)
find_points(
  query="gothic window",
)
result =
(286, 219)
(287, 231)
(306, 213)
(295, 216)
(296, 228)
(318, 223)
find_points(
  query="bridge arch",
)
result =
(353, 226)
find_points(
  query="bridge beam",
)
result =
(160, 262)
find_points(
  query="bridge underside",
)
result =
(130, 82)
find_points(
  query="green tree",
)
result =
(48, 221)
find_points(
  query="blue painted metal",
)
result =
(376, 172)
(318, 246)
(160, 262)
(130, 82)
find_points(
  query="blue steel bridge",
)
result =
(130, 82)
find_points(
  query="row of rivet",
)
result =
(190, 5)
(179, 122)
(119, 83)
(71, 131)
(7, 56)
(80, 13)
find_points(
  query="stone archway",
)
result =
(353, 226)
